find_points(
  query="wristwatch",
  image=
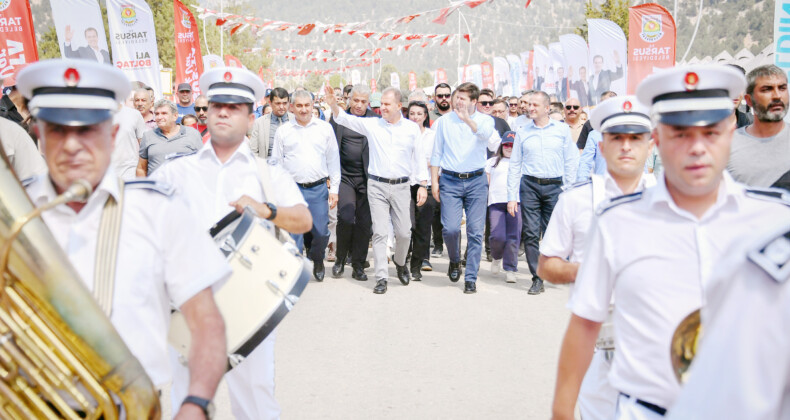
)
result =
(273, 210)
(206, 405)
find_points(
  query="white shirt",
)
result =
(743, 360)
(211, 185)
(426, 149)
(309, 152)
(394, 149)
(126, 154)
(573, 213)
(497, 184)
(21, 150)
(656, 259)
(520, 122)
(162, 258)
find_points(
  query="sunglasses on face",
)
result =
(487, 103)
(513, 104)
(574, 107)
(201, 108)
(442, 95)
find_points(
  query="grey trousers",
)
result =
(389, 202)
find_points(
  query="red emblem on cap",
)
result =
(691, 80)
(627, 105)
(71, 77)
(228, 76)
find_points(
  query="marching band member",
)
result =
(223, 176)
(625, 125)
(691, 216)
(161, 257)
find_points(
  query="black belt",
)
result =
(389, 181)
(464, 175)
(545, 181)
(650, 406)
(312, 184)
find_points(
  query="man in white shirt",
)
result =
(626, 144)
(126, 154)
(162, 260)
(395, 158)
(221, 177)
(691, 216)
(308, 150)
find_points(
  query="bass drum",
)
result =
(268, 277)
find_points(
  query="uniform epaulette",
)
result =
(150, 184)
(27, 181)
(577, 185)
(774, 257)
(775, 195)
(173, 156)
(616, 201)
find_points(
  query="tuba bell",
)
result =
(684, 345)
(60, 356)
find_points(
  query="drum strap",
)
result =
(107, 251)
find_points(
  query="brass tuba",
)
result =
(684, 345)
(60, 356)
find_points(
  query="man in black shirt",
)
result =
(354, 226)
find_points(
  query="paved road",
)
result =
(422, 351)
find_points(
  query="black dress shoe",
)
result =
(381, 287)
(359, 274)
(488, 256)
(426, 266)
(366, 264)
(437, 252)
(454, 272)
(537, 286)
(463, 262)
(416, 275)
(402, 272)
(318, 270)
(337, 270)
(470, 287)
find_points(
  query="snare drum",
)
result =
(268, 277)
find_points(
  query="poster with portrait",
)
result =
(133, 40)
(608, 55)
(80, 30)
(502, 82)
(514, 62)
(577, 59)
(540, 66)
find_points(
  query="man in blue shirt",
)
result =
(544, 158)
(184, 104)
(459, 150)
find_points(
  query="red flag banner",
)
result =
(189, 62)
(651, 42)
(232, 61)
(488, 75)
(412, 81)
(373, 86)
(17, 38)
(441, 76)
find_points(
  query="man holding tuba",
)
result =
(135, 245)
(654, 251)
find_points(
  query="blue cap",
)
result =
(509, 137)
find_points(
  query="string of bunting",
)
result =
(334, 55)
(235, 23)
(308, 57)
(296, 73)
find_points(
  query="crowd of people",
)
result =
(643, 198)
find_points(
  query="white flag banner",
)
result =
(80, 30)
(608, 55)
(557, 72)
(356, 77)
(523, 81)
(133, 40)
(212, 61)
(475, 73)
(541, 65)
(577, 59)
(502, 82)
(395, 80)
(514, 62)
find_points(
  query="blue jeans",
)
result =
(459, 195)
(317, 239)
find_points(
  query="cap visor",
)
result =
(229, 99)
(627, 129)
(72, 117)
(694, 118)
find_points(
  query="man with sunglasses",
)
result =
(571, 113)
(201, 111)
(513, 110)
(441, 95)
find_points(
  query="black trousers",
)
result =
(354, 226)
(421, 228)
(436, 227)
(537, 204)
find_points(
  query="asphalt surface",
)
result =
(422, 351)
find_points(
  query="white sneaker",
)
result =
(510, 277)
(496, 266)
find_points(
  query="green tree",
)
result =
(614, 10)
(425, 80)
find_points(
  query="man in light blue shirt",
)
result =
(591, 160)
(544, 158)
(459, 150)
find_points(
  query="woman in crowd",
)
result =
(505, 229)
(423, 215)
